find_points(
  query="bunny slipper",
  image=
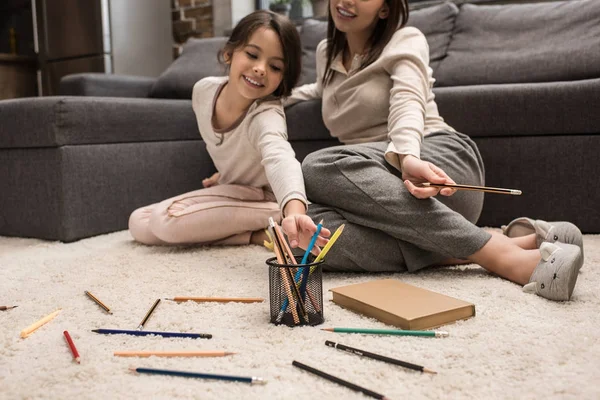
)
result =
(555, 275)
(551, 232)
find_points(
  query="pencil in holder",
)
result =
(296, 293)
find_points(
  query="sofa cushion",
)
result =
(62, 120)
(516, 43)
(435, 22)
(198, 60)
(312, 33)
(522, 109)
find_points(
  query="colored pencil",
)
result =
(147, 333)
(173, 353)
(339, 381)
(31, 328)
(378, 357)
(329, 244)
(72, 347)
(312, 242)
(279, 239)
(284, 278)
(247, 379)
(101, 304)
(141, 325)
(298, 276)
(398, 332)
(4, 308)
(515, 192)
(219, 299)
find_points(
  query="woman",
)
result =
(374, 79)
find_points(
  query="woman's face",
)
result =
(357, 16)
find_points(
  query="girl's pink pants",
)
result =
(221, 214)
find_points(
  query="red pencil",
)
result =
(72, 346)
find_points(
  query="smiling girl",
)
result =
(241, 120)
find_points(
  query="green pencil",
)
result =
(400, 332)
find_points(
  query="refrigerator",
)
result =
(109, 36)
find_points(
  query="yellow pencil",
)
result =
(334, 237)
(172, 353)
(30, 329)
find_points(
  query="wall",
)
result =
(241, 8)
(141, 36)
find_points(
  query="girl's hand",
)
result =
(212, 181)
(416, 171)
(300, 228)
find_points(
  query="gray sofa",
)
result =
(523, 80)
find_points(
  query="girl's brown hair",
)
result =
(288, 36)
(383, 32)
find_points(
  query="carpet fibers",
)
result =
(518, 346)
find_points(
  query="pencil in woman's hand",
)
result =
(515, 192)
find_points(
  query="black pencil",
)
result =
(378, 357)
(488, 189)
(141, 326)
(339, 381)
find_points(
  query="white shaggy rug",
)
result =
(518, 346)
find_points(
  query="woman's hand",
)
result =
(212, 181)
(416, 171)
(300, 228)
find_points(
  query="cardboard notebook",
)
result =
(402, 305)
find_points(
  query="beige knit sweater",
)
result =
(254, 151)
(390, 100)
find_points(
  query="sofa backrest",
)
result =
(518, 43)
(435, 22)
(199, 56)
(198, 60)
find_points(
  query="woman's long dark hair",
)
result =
(383, 32)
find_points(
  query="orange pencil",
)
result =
(218, 299)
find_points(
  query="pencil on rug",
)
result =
(139, 353)
(339, 381)
(72, 347)
(97, 301)
(141, 325)
(378, 357)
(218, 299)
(33, 327)
(185, 374)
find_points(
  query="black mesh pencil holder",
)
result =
(300, 303)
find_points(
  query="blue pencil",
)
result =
(185, 374)
(313, 240)
(146, 333)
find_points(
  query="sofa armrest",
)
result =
(56, 121)
(105, 85)
(550, 108)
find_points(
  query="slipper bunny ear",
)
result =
(547, 249)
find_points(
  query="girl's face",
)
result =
(357, 16)
(256, 69)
